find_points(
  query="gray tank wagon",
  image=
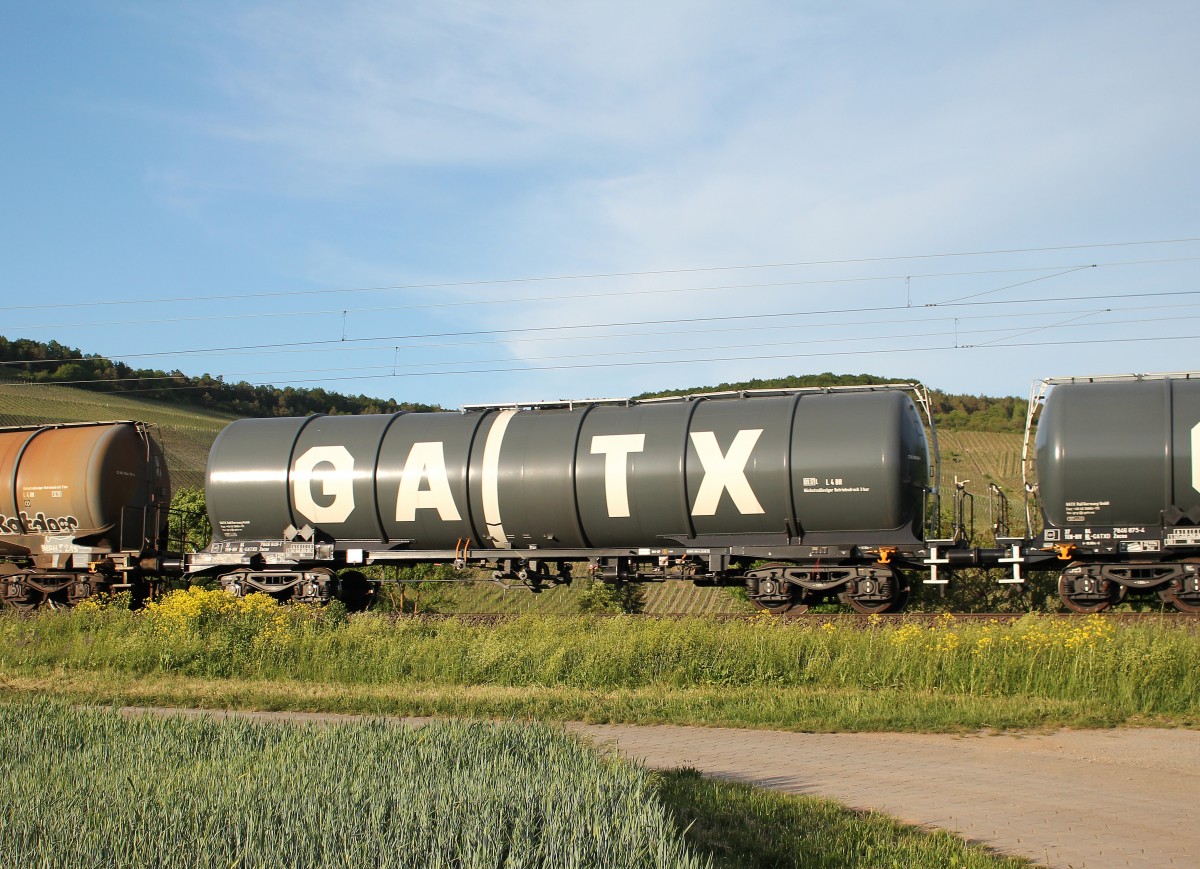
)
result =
(828, 486)
(802, 495)
(1118, 479)
(83, 508)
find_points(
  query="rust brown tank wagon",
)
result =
(802, 495)
(83, 508)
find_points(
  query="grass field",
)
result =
(89, 787)
(212, 649)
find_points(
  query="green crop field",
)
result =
(982, 457)
(90, 787)
(186, 432)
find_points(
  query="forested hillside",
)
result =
(28, 361)
(952, 411)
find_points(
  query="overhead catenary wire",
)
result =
(575, 327)
(672, 321)
(601, 275)
(757, 328)
(963, 307)
(1011, 286)
(1059, 270)
(1071, 322)
(641, 363)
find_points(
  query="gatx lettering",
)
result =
(333, 467)
(425, 483)
(725, 472)
(426, 464)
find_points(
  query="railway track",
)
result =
(840, 619)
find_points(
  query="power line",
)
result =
(757, 328)
(461, 303)
(600, 275)
(673, 321)
(579, 365)
(1011, 286)
(542, 332)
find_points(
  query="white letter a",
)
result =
(426, 461)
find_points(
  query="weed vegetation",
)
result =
(742, 827)
(93, 788)
(813, 675)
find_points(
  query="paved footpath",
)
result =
(1072, 798)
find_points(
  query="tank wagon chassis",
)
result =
(867, 580)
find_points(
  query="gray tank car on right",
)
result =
(1118, 468)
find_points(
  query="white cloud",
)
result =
(631, 136)
(376, 84)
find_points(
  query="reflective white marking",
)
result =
(1196, 457)
(725, 473)
(426, 462)
(338, 483)
(491, 479)
(616, 450)
(264, 476)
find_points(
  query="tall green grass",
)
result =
(1107, 672)
(92, 788)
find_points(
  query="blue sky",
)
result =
(407, 199)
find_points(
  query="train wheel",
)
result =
(781, 595)
(878, 595)
(1082, 593)
(31, 600)
(354, 590)
(1183, 593)
(20, 589)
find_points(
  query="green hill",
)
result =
(186, 432)
(952, 411)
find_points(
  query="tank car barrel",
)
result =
(773, 469)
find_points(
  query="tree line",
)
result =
(951, 411)
(28, 361)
